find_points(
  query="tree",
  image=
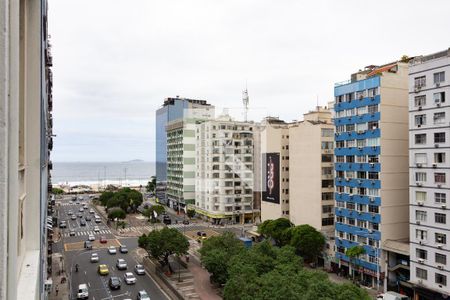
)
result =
(151, 185)
(105, 196)
(278, 230)
(126, 198)
(116, 213)
(191, 213)
(308, 241)
(216, 253)
(160, 244)
(353, 254)
(149, 212)
(57, 191)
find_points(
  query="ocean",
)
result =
(123, 173)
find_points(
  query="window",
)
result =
(420, 82)
(361, 159)
(420, 158)
(351, 143)
(439, 137)
(327, 145)
(361, 110)
(373, 109)
(421, 196)
(421, 176)
(328, 196)
(441, 279)
(351, 221)
(350, 127)
(439, 97)
(439, 77)
(372, 92)
(440, 238)
(373, 209)
(373, 158)
(420, 101)
(327, 132)
(439, 118)
(439, 177)
(421, 234)
(421, 215)
(439, 218)
(373, 175)
(360, 94)
(420, 138)
(350, 174)
(340, 128)
(361, 175)
(361, 127)
(350, 159)
(420, 120)
(327, 158)
(420, 253)
(373, 192)
(439, 158)
(373, 142)
(349, 97)
(327, 183)
(327, 221)
(327, 171)
(361, 143)
(339, 159)
(421, 273)
(350, 205)
(340, 204)
(373, 125)
(440, 198)
(440, 258)
(326, 209)
(340, 220)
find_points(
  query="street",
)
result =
(74, 253)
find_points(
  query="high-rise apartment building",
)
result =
(429, 142)
(371, 165)
(224, 170)
(311, 172)
(274, 169)
(178, 117)
(25, 144)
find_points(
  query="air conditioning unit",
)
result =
(372, 199)
(438, 84)
(420, 107)
(421, 260)
(419, 183)
(374, 147)
(439, 246)
(420, 281)
(360, 131)
(419, 165)
(418, 222)
(419, 125)
(420, 242)
(436, 145)
(443, 206)
(440, 267)
(438, 104)
(434, 165)
(417, 88)
(372, 165)
(439, 185)
(370, 231)
(360, 148)
(420, 203)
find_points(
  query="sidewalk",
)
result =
(60, 289)
(202, 283)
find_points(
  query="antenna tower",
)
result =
(245, 101)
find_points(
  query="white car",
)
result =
(129, 278)
(91, 211)
(112, 250)
(142, 295)
(83, 292)
(121, 264)
(94, 257)
(91, 237)
(81, 209)
(96, 229)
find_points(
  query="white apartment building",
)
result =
(429, 142)
(25, 141)
(224, 170)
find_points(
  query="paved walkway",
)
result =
(60, 289)
(202, 283)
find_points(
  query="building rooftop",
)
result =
(424, 58)
(171, 101)
(397, 246)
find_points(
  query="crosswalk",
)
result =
(88, 232)
(142, 229)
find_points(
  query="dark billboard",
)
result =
(271, 192)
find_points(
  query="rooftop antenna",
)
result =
(245, 101)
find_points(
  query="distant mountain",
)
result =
(135, 161)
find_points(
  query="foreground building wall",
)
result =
(25, 133)
(429, 92)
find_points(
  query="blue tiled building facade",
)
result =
(357, 170)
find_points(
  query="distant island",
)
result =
(134, 161)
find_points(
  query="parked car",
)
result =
(83, 292)
(142, 295)
(121, 264)
(96, 229)
(98, 220)
(82, 222)
(139, 270)
(114, 282)
(103, 240)
(70, 213)
(112, 250)
(79, 215)
(129, 278)
(91, 237)
(88, 218)
(72, 233)
(91, 211)
(81, 209)
(62, 224)
(167, 220)
(123, 249)
(94, 257)
(73, 217)
(201, 233)
(186, 222)
(103, 269)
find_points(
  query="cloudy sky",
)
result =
(116, 61)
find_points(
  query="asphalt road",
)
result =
(88, 272)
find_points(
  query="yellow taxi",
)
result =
(103, 270)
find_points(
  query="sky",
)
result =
(116, 61)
